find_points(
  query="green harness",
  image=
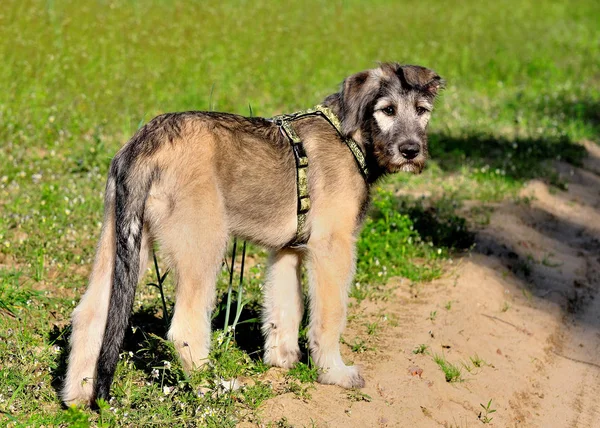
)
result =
(284, 122)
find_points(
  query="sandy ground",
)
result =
(525, 301)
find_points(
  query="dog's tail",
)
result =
(132, 182)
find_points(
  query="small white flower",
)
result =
(155, 373)
(167, 390)
(167, 365)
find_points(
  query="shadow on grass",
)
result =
(523, 157)
(517, 158)
(437, 222)
(565, 112)
(59, 337)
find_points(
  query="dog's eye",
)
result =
(421, 110)
(389, 110)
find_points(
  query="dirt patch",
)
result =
(519, 317)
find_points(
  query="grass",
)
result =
(305, 373)
(79, 78)
(451, 372)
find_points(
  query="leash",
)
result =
(284, 122)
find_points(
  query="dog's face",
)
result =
(388, 109)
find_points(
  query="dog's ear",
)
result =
(420, 78)
(358, 91)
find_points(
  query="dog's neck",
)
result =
(335, 104)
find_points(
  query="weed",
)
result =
(523, 267)
(300, 390)
(448, 305)
(524, 200)
(355, 395)
(476, 361)
(505, 307)
(451, 372)
(421, 349)
(281, 423)
(547, 262)
(487, 410)
(527, 294)
(432, 316)
(373, 328)
(359, 345)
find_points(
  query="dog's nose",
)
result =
(409, 149)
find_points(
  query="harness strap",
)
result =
(284, 122)
(301, 180)
(352, 145)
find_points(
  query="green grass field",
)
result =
(78, 78)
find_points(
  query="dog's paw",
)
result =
(78, 393)
(283, 356)
(344, 376)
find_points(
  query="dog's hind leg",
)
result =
(89, 317)
(283, 309)
(193, 238)
(331, 264)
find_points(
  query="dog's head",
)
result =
(387, 109)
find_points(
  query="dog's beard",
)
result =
(411, 166)
(414, 166)
(394, 162)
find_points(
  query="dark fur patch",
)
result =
(420, 78)
(358, 94)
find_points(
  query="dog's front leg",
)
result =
(283, 309)
(331, 268)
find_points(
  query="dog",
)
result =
(188, 181)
